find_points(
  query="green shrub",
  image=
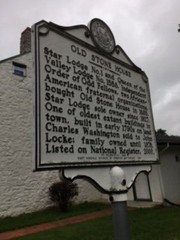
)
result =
(62, 193)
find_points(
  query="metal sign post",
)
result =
(92, 111)
(120, 220)
(119, 206)
(92, 103)
(114, 181)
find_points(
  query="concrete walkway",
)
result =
(142, 204)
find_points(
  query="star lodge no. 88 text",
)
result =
(93, 107)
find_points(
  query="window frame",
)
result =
(19, 69)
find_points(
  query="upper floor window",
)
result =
(19, 69)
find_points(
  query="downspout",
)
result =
(159, 170)
(166, 148)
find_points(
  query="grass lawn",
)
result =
(157, 224)
(162, 223)
(145, 224)
(47, 215)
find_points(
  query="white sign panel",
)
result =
(91, 108)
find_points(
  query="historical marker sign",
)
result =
(92, 104)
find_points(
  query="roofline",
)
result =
(170, 143)
(15, 56)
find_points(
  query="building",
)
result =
(169, 168)
(162, 184)
(22, 190)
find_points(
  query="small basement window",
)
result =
(19, 69)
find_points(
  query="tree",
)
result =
(179, 27)
(161, 132)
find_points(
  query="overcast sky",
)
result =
(145, 29)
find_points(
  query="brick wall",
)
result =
(25, 43)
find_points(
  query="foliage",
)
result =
(63, 193)
(161, 132)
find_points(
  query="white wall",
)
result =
(130, 194)
(22, 190)
(170, 171)
(155, 184)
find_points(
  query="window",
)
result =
(19, 69)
